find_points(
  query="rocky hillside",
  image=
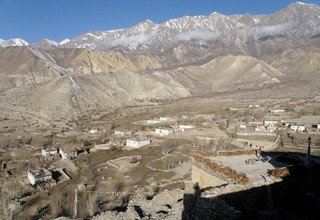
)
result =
(74, 95)
(226, 73)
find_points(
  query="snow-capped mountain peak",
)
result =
(143, 26)
(64, 41)
(205, 29)
(305, 4)
(298, 20)
(14, 42)
(51, 42)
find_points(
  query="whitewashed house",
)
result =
(153, 121)
(164, 118)
(93, 130)
(235, 109)
(255, 123)
(122, 133)
(243, 126)
(185, 127)
(297, 127)
(272, 122)
(68, 153)
(137, 143)
(49, 151)
(254, 106)
(277, 111)
(164, 131)
(37, 176)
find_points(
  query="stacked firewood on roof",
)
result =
(234, 176)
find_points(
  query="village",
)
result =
(221, 150)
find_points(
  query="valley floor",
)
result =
(106, 173)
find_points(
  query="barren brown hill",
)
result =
(19, 66)
(73, 82)
(227, 73)
(79, 94)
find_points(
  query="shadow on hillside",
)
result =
(296, 197)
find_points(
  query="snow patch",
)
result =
(86, 45)
(256, 20)
(51, 42)
(132, 41)
(306, 4)
(64, 41)
(14, 42)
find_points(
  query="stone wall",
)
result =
(204, 178)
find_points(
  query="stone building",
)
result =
(164, 131)
(40, 175)
(68, 153)
(134, 143)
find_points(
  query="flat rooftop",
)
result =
(68, 149)
(138, 139)
(40, 172)
(50, 148)
(256, 172)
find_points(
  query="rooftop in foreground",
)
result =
(242, 168)
(257, 171)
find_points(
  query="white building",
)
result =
(153, 121)
(137, 143)
(68, 153)
(255, 123)
(297, 127)
(260, 128)
(243, 126)
(235, 109)
(122, 133)
(254, 106)
(93, 130)
(185, 127)
(268, 122)
(164, 118)
(277, 111)
(37, 176)
(164, 131)
(49, 151)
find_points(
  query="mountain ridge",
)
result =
(201, 28)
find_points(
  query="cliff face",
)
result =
(84, 61)
(107, 62)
